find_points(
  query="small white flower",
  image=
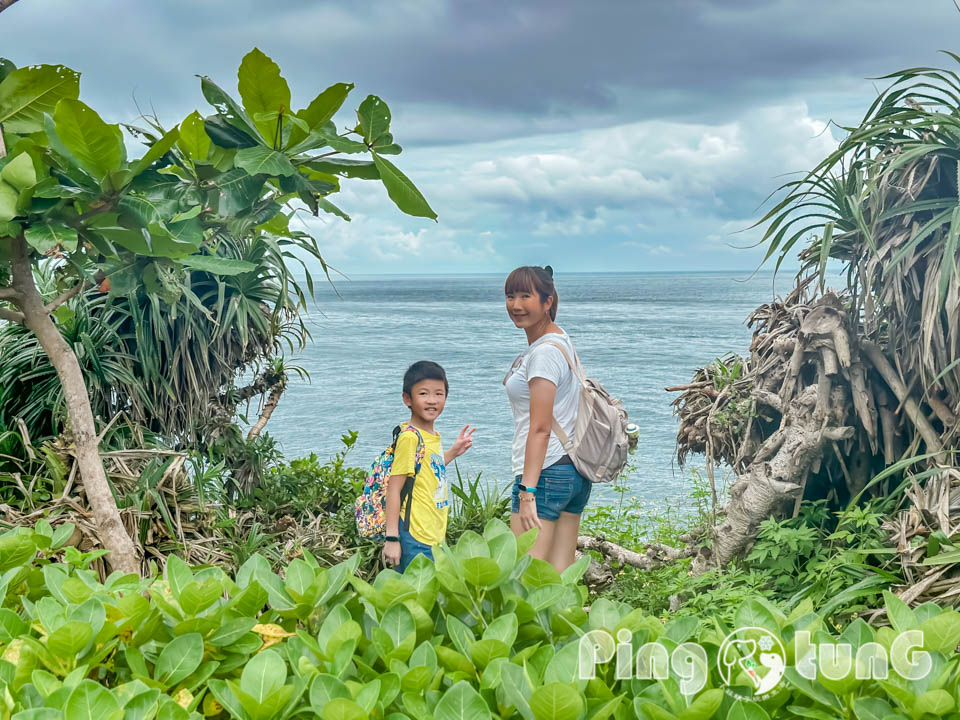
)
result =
(766, 643)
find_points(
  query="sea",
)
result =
(636, 333)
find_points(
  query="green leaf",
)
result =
(870, 708)
(216, 265)
(343, 709)
(8, 202)
(515, 688)
(604, 614)
(753, 614)
(229, 111)
(91, 701)
(398, 623)
(156, 151)
(320, 110)
(264, 674)
(193, 139)
(646, 709)
(226, 136)
(198, 596)
(936, 702)
(461, 702)
(344, 167)
(704, 705)
(373, 116)
(401, 190)
(45, 237)
(19, 173)
(746, 710)
(29, 92)
(481, 572)
(325, 688)
(329, 207)
(97, 146)
(556, 701)
(263, 89)
(504, 628)
(942, 632)
(573, 574)
(540, 573)
(901, 617)
(11, 626)
(179, 575)
(69, 639)
(261, 160)
(179, 659)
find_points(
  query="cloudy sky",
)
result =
(592, 135)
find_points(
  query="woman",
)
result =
(548, 492)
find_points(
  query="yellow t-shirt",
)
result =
(431, 493)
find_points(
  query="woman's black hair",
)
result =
(531, 278)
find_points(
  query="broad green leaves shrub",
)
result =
(485, 631)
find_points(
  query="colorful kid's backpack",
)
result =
(371, 506)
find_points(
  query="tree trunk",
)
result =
(113, 536)
(775, 477)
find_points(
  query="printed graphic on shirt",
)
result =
(442, 496)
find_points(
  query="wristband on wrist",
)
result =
(391, 538)
(524, 488)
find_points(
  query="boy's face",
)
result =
(426, 399)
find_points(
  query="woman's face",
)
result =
(525, 309)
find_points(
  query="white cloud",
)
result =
(679, 191)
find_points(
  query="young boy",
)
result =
(425, 393)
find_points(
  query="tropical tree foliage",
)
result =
(189, 250)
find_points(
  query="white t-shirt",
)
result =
(542, 359)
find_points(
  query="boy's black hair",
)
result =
(423, 370)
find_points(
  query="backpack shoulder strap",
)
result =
(421, 450)
(574, 362)
(577, 370)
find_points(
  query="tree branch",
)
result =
(8, 293)
(64, 297)
(890, 376)
(11, 315)
(268, 409)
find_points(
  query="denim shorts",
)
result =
(560, 489)
(410, 547)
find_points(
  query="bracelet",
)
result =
(524, 488)
(391, 538)
(528, 498)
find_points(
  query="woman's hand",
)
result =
(528, 515)
(463, 443)
(391, 553)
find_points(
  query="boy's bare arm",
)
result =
(394, 487)
(463, 443)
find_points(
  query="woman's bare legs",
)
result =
(557, 541)
(564, 545)
(541, 548)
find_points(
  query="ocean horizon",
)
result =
(636, 332)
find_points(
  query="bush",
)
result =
(486, 631)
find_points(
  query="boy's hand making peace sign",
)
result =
(463, 443)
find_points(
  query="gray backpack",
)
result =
(599, 451)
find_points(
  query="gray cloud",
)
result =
(516, 68)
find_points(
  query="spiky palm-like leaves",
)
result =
(886, 204)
